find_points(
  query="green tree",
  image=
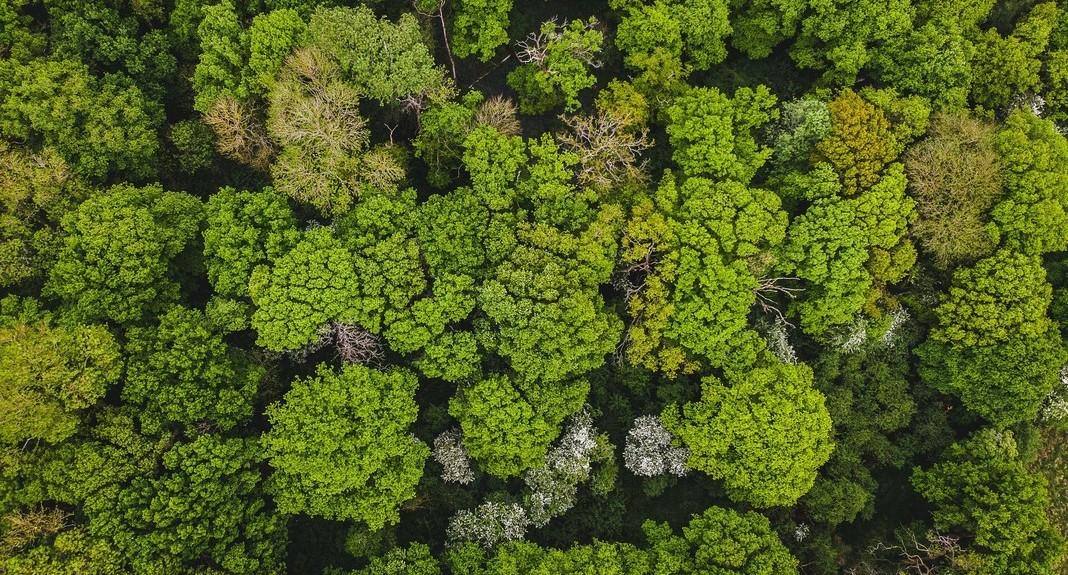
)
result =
(718, 541)
(479, 27)
(860, 143)
(712, 135)
(764, 433)
(50, 373)
(117, 258)
(840, 38)
(1001, 297)
(381, 60)
(36, 190)
(272, 36)
(223, 56)
(412, 560)
(1033, 216)
(1010, 66)
(981, 490)
(309, 286)
(556, 64)
(244, 230)
(761, 25)
(205, 505)
(340, 446)
(98, 126)
(508, 426)
(181, 372)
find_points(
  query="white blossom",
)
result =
(898, 318)
(553, 487)
(778, 341)
(801, 532)
(1056, 407)
(853, 340)
(450, 452)
(489, 524)
(648, 451)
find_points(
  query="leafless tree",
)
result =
(768, 287)
(356, 345)
(439, 13)
(239, 135)
(608, 149)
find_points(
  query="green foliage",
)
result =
(1009, 66)
(708, 252)
(99, 126)
(1001, 297)
(116, 260)
(982, 490)
(860, 143)
(223, 54)
(720, 541)
(508, 426)
(558, 66)
(50, 373)
(764, 433)
(847, 247)
(181, 372)
(1033, 216)
(340, 446)
(206, 504)
(310, 285)
(479, 27)
(271, 38)
(379, 59)
(36, 190)
(413, 560)
(712, 135)
(244, 230)
(840, 38)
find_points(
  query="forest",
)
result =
(547, 287)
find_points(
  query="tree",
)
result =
(181, 372)
(712, 135)
(379, 59)
(701, 273)
(1005, 383)
(244, 230)
(954, 175)
(1001, 297)
(116, 259)
(99, 126)
(1033, 216)
(412, 560)
(50, 373)
(223, 55)
(764, 433)
(668, 30)
(840, 38)
(271, 38)
(340, 446)
(981, 489)
(310, 285)
(720, 541)
(555, 61)
(507, 426)
(1010, 66)
(36, 190)
(761, 25)
(860, 144)
(479, 27)
(206, 505)
(848, 248)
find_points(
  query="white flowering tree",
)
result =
(649, 451)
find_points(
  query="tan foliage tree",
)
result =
(954, 174)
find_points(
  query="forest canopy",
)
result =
(486, 287)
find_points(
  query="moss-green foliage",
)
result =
(50, 373)
(442, 286)
(340, 446)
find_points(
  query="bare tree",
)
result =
(607, 147)
(768, 287)
(356, 345)
(239, 134)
